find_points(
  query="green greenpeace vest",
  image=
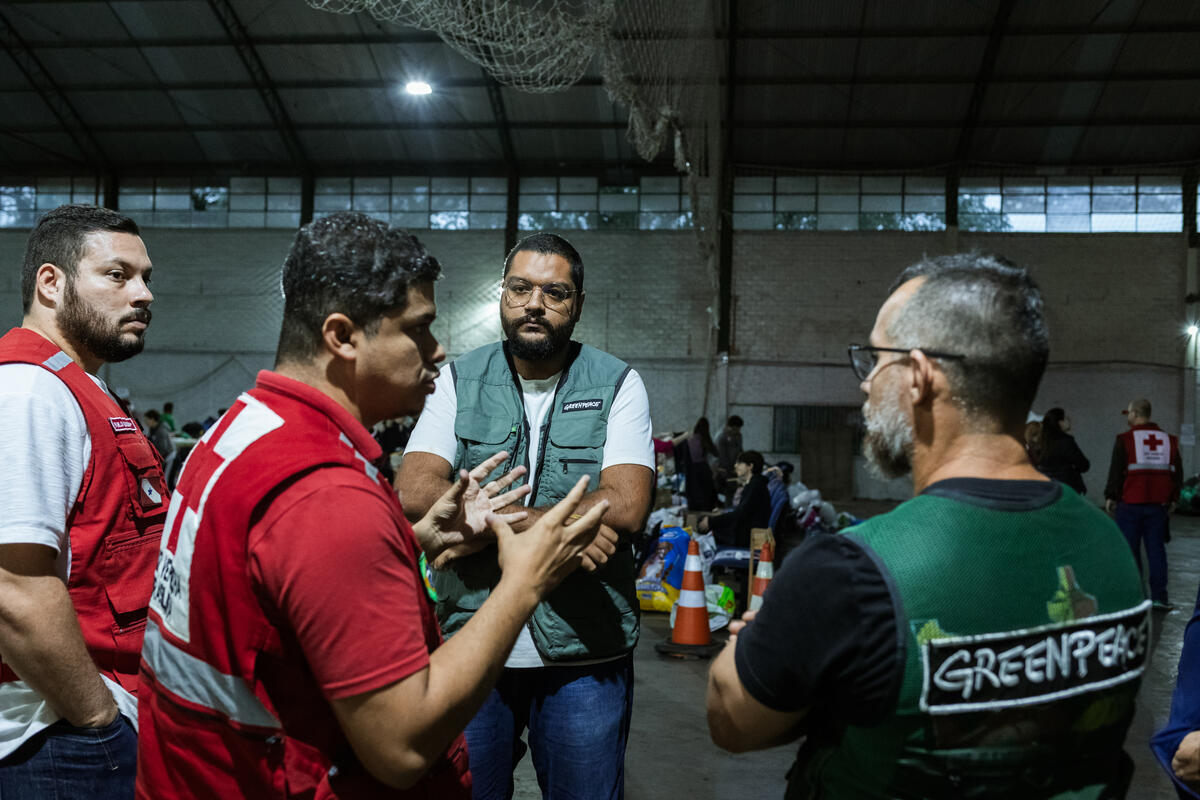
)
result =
(1026, 633)
(590, 614)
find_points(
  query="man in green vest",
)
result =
(561, 410)
(984, 639)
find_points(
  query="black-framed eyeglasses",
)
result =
(864, 357)
(554, 295)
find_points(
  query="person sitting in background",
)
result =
(168, 416)
(778, 478)
(1033, 441)
(210, 420)
(1061, 458)
(160, 434)
(752, 509)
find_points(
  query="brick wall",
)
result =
(1114, 303)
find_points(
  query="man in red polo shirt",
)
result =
(292, 649)
(1144, 478)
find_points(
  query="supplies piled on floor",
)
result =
(811, 514)
(661, 575)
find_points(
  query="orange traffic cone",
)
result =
(762, 576)
(690, 636)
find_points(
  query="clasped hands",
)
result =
(468, 517)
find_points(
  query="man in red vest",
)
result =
(1144, 479)
(293, 649)
(81, 513)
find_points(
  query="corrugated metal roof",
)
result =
(818, 85)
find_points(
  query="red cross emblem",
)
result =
(1153, 442)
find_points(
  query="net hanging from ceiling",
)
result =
(661, 59)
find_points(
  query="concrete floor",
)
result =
(669, 749)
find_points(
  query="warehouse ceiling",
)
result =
(274, 86)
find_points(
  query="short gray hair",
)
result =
(990, 311)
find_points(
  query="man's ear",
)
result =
(50, 284)
(341, 336)
(924, 374)
(579, 306)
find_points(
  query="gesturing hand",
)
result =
(457, 524)
(553, 546)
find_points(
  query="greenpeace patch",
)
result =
(1036, 665)
(122, 424)
(582, 405)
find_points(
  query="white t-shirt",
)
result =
(628, 442)
(45, 448)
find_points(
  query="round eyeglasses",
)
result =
(518, 293)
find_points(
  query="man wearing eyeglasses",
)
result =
(562, 409)
(986, 637)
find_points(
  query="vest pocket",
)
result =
(144, 478)
(578, 465)
(126, 572)
(128, 575)
(481, 438)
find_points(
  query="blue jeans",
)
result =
(578, 720)
(64, 762)
(1147, 522)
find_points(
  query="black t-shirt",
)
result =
(831, 633)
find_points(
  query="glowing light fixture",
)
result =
(1192, 330)
(418, 88)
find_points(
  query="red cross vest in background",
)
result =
(117, 520)
(1149, 466)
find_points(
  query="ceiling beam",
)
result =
(987, 64)
(91, 153)
(418, 37)
(1098, 92)
(240, 39)
(781, 125)
(218, 170)
(853, 82)
(26, 169)
(1147, 76)
(503, 127)
(157, 82)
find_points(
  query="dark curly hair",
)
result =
(350, 263)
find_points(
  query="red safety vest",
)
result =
(117, 520)
(209, 725)
(1149, 464)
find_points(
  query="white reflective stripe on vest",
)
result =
(57, 361)
(171, 598)
(1150, 468)
(190, 679)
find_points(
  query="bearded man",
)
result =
(988, 635)
(81, 512)
(562, 410)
